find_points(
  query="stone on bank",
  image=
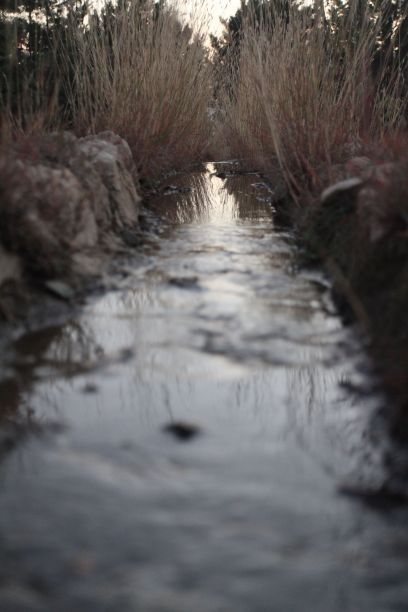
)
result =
(66, 203)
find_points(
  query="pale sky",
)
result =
(225, 8)
(208, 11)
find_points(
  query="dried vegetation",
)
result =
(320, 97)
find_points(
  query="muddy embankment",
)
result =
(67, 205)
(358, 227)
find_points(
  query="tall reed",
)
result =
(303, 91)
(142, 74)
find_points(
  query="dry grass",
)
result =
(305, 98)
(133, 70)
(308, 99)
(34, 109)
(146, 78)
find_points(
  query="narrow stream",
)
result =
(212, 333)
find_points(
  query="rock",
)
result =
(47, 216)
(63, 199)
(111, 158)
(338, 205)
(345, 190)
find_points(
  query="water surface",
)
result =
(213, 325)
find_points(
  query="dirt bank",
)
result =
(358, 226)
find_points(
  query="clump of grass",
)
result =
(305, 93)
(138, 71)
(134, 68)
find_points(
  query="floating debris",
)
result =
(182, 431)
(90, 389)
(60, 289)
(173, 189)
(184, 282)
(260, 186)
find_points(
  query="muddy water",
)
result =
(214, 330)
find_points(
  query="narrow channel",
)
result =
(194, 427)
